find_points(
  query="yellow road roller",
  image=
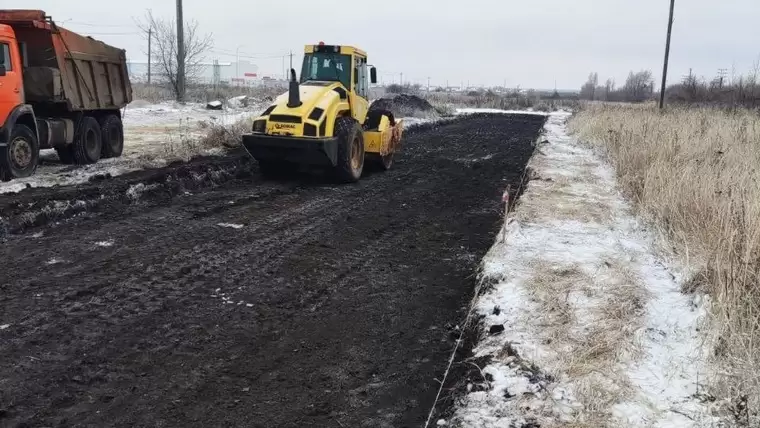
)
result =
(325, 119)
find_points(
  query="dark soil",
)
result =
(332, 306)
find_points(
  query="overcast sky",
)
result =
(530, 43)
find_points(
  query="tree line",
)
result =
(638, 87)
(725, 90)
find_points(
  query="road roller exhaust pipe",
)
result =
(294, 93)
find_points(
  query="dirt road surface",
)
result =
(203, 295)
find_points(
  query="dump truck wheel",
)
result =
(350, 150)
(88, 143)
(65, 154)
(112, 131)
(20, 157)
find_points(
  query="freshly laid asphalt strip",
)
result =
(332, 306)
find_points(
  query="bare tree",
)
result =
(588, 89)
(639, 85)
(751, 84)
(609, 88)
(165, 56)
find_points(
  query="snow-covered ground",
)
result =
(153, 134)
(596, 330)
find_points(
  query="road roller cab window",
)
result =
(327, 66)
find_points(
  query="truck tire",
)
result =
(20, 157)
(350, 150)
(112, 131)
(88, 143)
(65, 154)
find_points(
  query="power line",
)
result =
(87, 33)
(249, 53)
(242, 54)
(722, 73)
(248, 56)
(88, 24)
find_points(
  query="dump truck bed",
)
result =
(63, 67)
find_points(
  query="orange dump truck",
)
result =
(58, 90)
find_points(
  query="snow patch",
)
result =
(52, 173)
(136, 190)
(4, 326)
(597, 330)
(411, 122)
(230, 225)
(227, 300)
(497, 111)
(54, 261)
(108, 243)
(471, 160)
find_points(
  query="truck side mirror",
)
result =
(2, 70)
(373, 75)
(356, 76)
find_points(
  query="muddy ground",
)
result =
(203, 295)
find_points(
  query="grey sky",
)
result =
(528, 42)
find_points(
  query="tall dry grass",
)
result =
(696, 174)
(489, 99)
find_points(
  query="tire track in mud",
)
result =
(350, 291)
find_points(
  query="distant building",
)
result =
(242, 73)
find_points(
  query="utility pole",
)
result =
(291, 60)
(237, 61)
(428, 84)
(401, 80)
(217, 73)
(667, 55)
(150, 39)
(722, 73)
(180, 53)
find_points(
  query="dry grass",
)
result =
(590, 321)
(205, 138)
(696, 174)
(488, 99)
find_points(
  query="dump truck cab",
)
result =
(11, 84)
(58, 90)
(325, 118)
(14, 113)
